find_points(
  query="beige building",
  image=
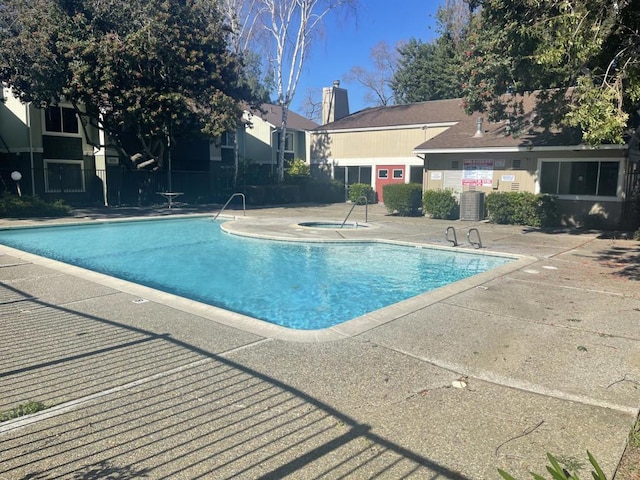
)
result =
(437, 144)
(375, 145)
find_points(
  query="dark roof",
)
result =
(435, 111)
(524, 131)
(273, 114)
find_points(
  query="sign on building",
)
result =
(477, 173)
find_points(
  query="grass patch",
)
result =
(22, 410)
(634, 436)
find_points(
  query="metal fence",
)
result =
(117, 186)
(631, 207)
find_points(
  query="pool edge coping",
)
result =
(349, 328)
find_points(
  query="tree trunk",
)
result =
(282, 143)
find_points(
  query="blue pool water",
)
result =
(298, 285)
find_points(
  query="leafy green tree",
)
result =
(430, 71)
(587, 50)
(137, 69)
(427, 71)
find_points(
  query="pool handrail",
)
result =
(453, 240)
(477, 244)
(244, 205)
(366, 210)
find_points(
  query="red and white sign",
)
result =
(477, 173)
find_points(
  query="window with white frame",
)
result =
(594, 178)
(64, 176)
(288, 146)
(61, 120)
(227, 147)
(398, 173)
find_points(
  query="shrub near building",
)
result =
(522, 208)
(359, 190)
(440, 204)
(403, 198)
(12, 206)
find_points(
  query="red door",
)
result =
(386, 174)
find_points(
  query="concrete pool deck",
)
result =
(546, 352)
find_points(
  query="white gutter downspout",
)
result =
(33, 175)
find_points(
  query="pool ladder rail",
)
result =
(366, 210)
(477, 242)
(244, 205)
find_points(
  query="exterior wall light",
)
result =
(16, 177)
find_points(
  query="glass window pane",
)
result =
(353, 175)
(397, 173)
(365, 175)
(72, 177)
(52, 119)
(383, 173)
(227, 139)
(608, 184)
(228, 156)
(54, 177)
(584, 178)
(69, 120)
(549, 177)
(564, 184)
(64, 177)
(339, 173)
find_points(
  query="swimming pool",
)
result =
(299, 285)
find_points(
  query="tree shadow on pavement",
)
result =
(135, 404)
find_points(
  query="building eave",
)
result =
(420, 126)
(520, 149)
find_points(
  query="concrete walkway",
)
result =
(143, 384)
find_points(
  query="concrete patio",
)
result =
(142, 384)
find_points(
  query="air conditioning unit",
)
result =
(472, 206)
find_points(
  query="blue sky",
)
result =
(347, 43)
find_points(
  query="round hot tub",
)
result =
(332, 225)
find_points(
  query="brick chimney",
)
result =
(335, 103)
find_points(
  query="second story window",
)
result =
(288, 146)
(227, 147)
(288, 142)
(60, 120)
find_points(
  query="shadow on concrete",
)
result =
(138, 404)
(623, 260)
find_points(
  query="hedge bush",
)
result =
(271, 194)
(440, 204)
(359, 190)
(13, 206)
(522, 208)
(403, 198)
(322, 191)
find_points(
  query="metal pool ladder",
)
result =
(478, 242)
(244, 205)
(455, 237)
(366, 210)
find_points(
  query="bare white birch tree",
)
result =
(291, 27)
(242, 17)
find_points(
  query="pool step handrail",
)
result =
(455, 237)
(478, 243)
(244, 205)
(366, 210)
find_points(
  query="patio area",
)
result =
(488, 373)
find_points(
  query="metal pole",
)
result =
(169, 171)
